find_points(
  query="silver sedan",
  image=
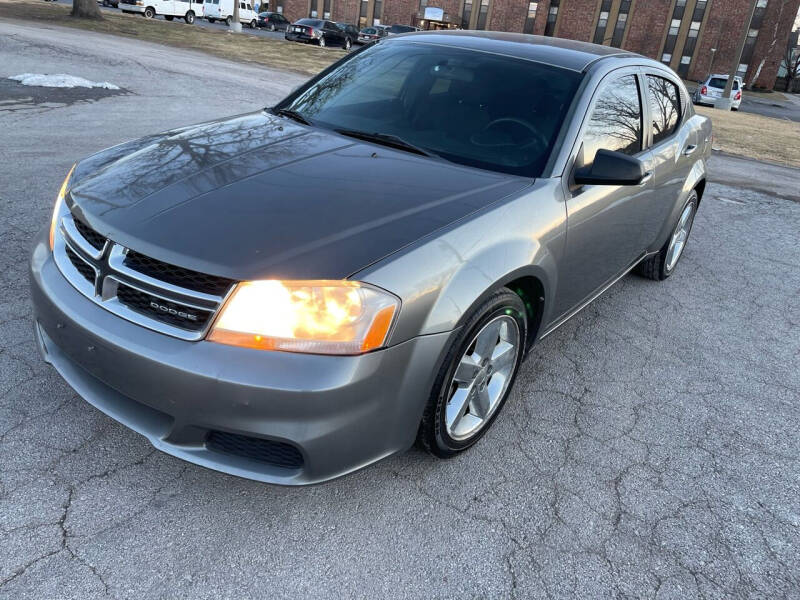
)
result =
(293, 294)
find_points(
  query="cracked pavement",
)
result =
(649, 449)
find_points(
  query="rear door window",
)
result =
(616, 120)
(665, 107)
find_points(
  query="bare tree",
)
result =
(791, 60)
(86, 9)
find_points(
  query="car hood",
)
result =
(258, 196)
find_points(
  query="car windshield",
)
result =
(717, 82)
(469, 107)
(401, 29)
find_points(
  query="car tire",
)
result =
(228, 21)
(272, 26)
(168, 17)
(462, 405)
(253, 24)
(347, 44)
(149, 12)
(662, 264)
(322, 42)
(210, 20)
(189, 18)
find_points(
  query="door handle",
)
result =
(646, 177)
(690, 149)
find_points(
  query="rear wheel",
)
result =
(253, 24)
(660, 266)
(149, 12)
(189, 18)
(228, 21)
(347, 44)
(272, 26)
(476, 376)
(322, 42)
(211, 20)
(168, 17)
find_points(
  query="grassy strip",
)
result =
(754, 136)
(278, 54)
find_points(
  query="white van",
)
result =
(188, 10)
(222, 10)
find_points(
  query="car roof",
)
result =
(569, 54)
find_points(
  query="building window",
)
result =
(466, 14)
(742, 70)
(482, 12)
(362, 13)
(602, 22)
(376, 12)
(326, 9)
(552, 17)
(530, 19)
(666, 57)
(622, 22)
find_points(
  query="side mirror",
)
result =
(612, 168)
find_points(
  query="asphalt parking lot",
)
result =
(649, 449)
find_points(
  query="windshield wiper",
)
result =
(386, 139)
(291, 114)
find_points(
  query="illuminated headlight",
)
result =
(319, 317)
(57, 208)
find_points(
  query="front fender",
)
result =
(441, 278)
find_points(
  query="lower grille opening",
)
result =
(83, 267)
(279, 454)
(171, 313)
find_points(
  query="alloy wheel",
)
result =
(678, 241)
(482, 377)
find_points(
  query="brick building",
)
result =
(694, 37)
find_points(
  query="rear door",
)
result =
(674, 149)
(604, 222)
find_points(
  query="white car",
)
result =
(222, 10)
(711, 89)
(188, 10)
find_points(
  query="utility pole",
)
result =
(725, 101)
(236, 23)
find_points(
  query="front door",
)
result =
(604, 222)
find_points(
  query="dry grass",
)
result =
(754, 136)
(278, 54)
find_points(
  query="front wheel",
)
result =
(228, 21)
(149, 13)
(272, 26)
(189, 18)
(661, 265)
(347, 44)
(253, 24)
(211, 20)
(476, 376)
(322, 42)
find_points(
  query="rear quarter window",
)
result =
(665, 107)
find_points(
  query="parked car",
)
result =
(273, 21)
(113, 3)
(318, 31)
(398, 29)
(226, 290)
(370, 34)
(188, 10)
(711, 89)
(222, 10)
(350, 32)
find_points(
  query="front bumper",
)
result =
(340, 412)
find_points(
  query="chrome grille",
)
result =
(163, 297)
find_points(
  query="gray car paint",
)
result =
(460, 234)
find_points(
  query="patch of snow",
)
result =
(61, 80)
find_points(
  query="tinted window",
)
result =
(401, 29)
(717, 82)
(665, 106)
(310, 22)
(368, 30)
(468, 107)
(616, 121)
